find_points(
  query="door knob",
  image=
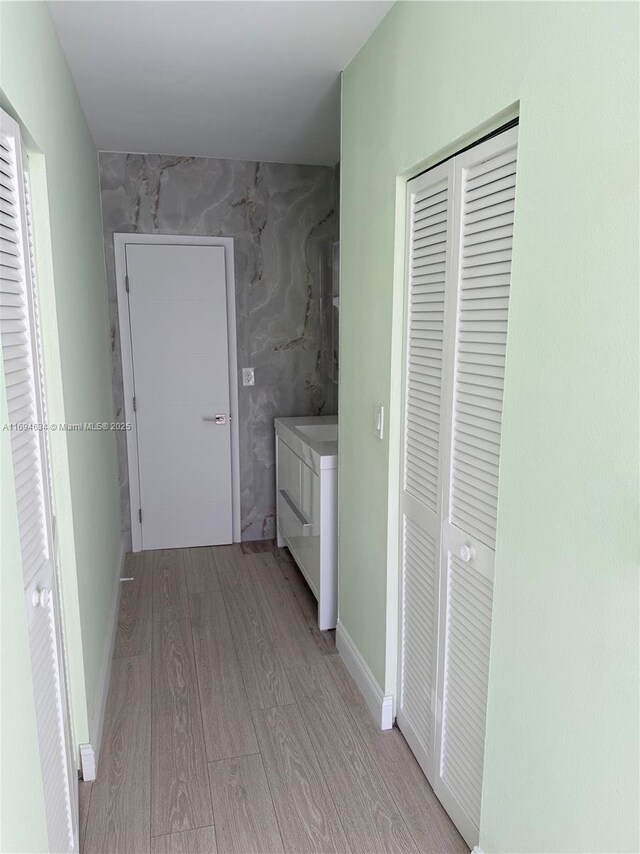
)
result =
(218, 419)
(40, 598)
(467, 553)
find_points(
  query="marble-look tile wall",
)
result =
(282, 220)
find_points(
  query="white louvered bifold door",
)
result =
(485, 178)
(454, 364)
(23, 382)
(430, 223)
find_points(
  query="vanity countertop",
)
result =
(314, 436)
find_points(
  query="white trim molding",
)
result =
(90, 752)
(379, 704)
(120, 242)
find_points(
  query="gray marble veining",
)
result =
(282, 219)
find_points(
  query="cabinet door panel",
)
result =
(289, 473)
(310, 548)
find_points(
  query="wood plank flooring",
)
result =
(232, 727)
(118, 817)
(245, 818)
(228, 727)
(84, 798)
(134, 626)
(180, 799)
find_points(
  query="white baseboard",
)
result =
(87, 762)
(90, 753)
(379, 704)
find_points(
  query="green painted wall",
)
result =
(22, 823)
(561, 769)
(37, 88)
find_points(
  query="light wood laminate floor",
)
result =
(232, 725)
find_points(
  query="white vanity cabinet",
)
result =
(307, 504)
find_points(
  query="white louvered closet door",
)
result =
(430, 222)
(22, 365)
(455, 614)
(485, 178)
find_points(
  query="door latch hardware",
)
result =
(467, 553)
(40, 598)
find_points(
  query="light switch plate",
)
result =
(248, 376)
(378, 420)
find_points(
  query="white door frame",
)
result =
(120, 242)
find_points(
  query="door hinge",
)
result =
(126, 282)
(140, 515)
(135, 405)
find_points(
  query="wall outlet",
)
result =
(248, 376)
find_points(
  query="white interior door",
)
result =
(179, 345)
(24, 383)
(450, 504)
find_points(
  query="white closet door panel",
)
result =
(485, 196)
(49, 687)
(483, 307)
(466, 674)
(24, 381)
(460, 235)
(26, 442)
(429, 217)
(418, 651)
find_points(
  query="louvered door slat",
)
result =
(474, 247)
(486, 172)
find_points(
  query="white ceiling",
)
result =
(245, 80)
